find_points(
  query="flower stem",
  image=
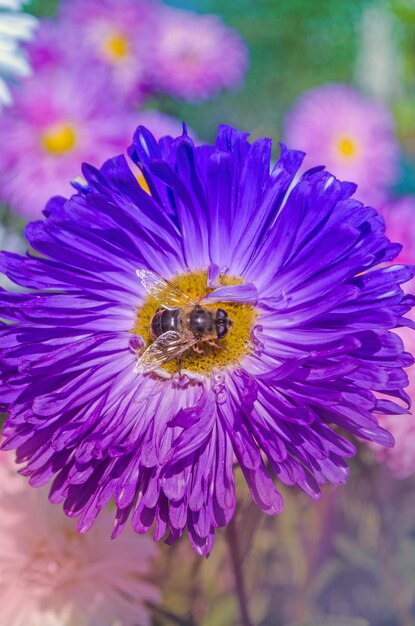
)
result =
(233, 544)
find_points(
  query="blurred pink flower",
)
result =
(4, 458)
(160, 124)
(195, 56)
(116, 33)
(401, 458)
(52, 576)
(56, 43)
(399, 216)
(61, 118)
(350, 134)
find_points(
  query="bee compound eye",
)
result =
(221, 330)
(221, 315)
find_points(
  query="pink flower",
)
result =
(116, 33)
(160, 124)
(195, 56)
(399, 216)
(401, 458)
(56, 43)
(348, 133)
(52, 576)
(61, 118)
(400, 225)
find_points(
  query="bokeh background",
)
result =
(297, 45)
(349, 559)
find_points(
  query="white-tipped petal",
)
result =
(15, 28)
(18, 26)
(11, 4)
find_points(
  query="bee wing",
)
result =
(167, 294)
(168, 346)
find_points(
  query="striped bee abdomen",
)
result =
(165, 320)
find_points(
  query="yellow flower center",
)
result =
(59, 139)
(142, 182)
(116, 47)
(347, 147)
(237, 342)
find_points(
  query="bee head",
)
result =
(222, 323)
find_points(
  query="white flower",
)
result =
(52, 576)
(15, 27)
(11, 240)
(378, 65)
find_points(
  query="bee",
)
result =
(179, 324)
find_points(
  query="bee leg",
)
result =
(179, 365)
(216, 345)
(197, 349)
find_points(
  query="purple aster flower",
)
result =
(161, 125)
(61, 117)
(117, 33)
(195, 56)
(351, 134)
(299, 269)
